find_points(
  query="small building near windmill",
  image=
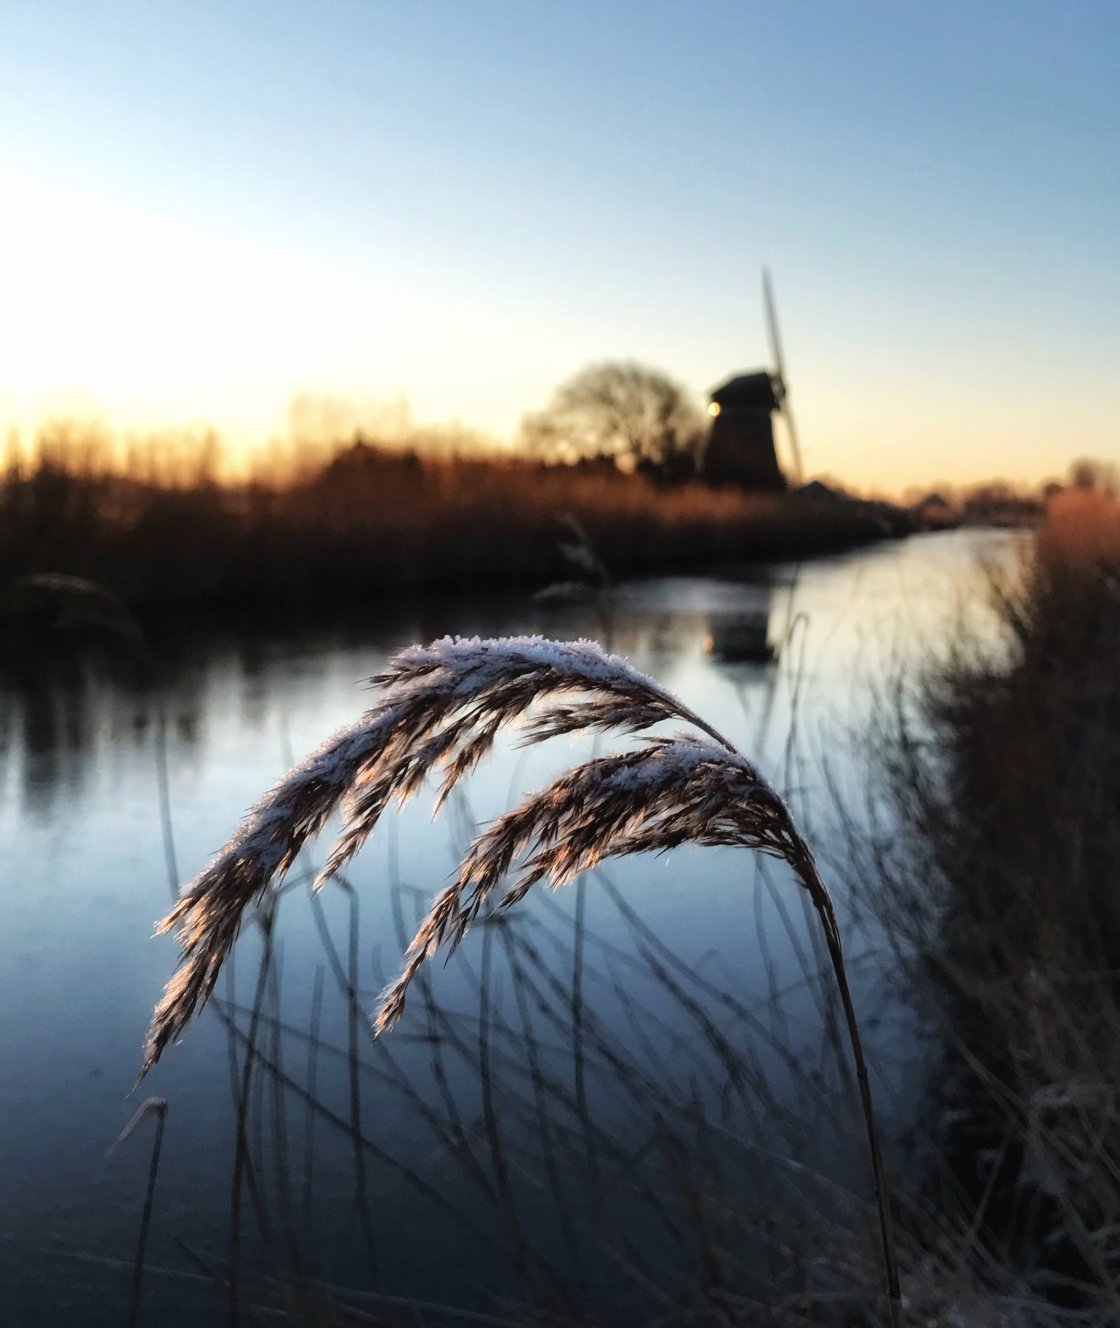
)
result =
(740, 450)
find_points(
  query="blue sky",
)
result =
(214, 207)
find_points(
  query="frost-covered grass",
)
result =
(439, 711)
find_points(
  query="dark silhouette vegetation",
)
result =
(161, 528)
(621, 412)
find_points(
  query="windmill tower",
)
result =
(740, 448)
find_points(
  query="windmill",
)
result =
(741, 449)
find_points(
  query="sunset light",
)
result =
(622, 499)
(380, 206)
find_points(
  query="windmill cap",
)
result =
(753, 391)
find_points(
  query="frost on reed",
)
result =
(440, 709)
(667, 792)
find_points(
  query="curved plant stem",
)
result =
(160, 1111)
(822, 902)
(440, 709)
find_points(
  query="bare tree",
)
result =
(1089, 473)
(631, 414)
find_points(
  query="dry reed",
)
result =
(1000, 900)
(440, 711)
(167, 531)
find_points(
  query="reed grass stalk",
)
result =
(157, 1107)
(440, 710)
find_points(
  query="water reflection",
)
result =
(67, 700)
(67, 696)
(745, 633)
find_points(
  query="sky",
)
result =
(211, 209)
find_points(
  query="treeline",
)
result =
(159, 527)
(998, 503)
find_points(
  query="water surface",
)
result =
(85, 873)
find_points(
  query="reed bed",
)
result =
(440, 710)
(372, 521)
(1003, 770)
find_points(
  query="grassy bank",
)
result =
(370, 520)
(1010, 927)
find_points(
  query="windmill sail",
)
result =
(781, 390)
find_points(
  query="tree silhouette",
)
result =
(632, 415)
(1089, 473)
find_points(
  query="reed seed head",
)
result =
(439, 711)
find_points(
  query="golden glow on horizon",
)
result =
(138, 321)
(128, 316)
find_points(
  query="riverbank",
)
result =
(372, 521)
(1006, 917)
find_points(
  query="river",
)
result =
(101, 799)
